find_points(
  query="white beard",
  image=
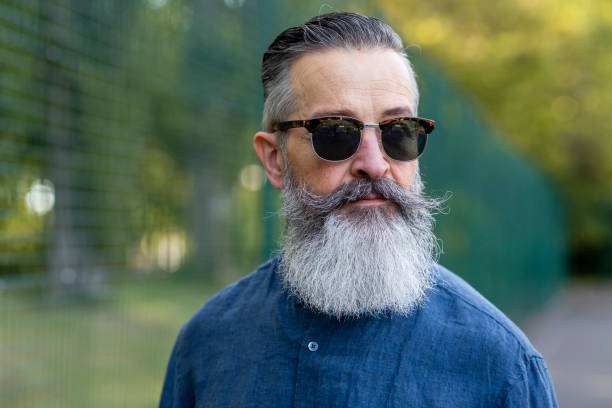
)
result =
(368, 261)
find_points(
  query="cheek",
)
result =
(325, 178)
(320, 177)
(404, 173)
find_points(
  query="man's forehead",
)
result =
(343, 81)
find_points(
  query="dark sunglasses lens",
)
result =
(336, 140)
(404, 140)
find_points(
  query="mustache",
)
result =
(355, 190)
(320, 206)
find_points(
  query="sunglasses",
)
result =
(337, 138)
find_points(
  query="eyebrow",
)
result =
(395, 111)
(399, 111)
(334, 112)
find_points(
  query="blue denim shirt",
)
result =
(252, 345)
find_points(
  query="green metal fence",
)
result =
(129, 191)
(504, 231)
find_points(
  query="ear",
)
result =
(268, 151)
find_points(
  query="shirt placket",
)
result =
(310, 365)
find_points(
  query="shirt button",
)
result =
(313, 346)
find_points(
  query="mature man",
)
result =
(354, 311)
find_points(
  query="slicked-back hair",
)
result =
(333, 30)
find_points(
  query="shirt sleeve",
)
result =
(176, 393)
(532, 388)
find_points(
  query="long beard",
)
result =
(360, 260)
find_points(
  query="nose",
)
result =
(369, 161)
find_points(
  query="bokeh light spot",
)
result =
(156, 4)
(252, 177)
(233, 3)
(41, 197)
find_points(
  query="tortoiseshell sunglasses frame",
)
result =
(311, 124)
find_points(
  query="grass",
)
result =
(110, 353)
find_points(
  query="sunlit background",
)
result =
(129, 192)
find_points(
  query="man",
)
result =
(354, 311)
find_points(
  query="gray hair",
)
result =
(332, 30)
